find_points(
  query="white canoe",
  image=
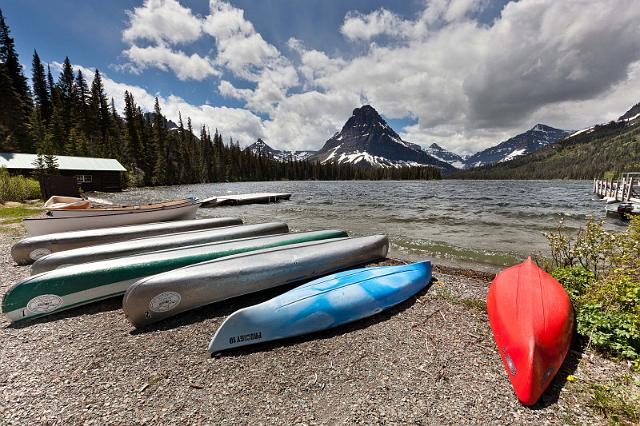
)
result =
(50, 225)
(29, 249)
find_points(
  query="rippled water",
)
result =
(487, 222)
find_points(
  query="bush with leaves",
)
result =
(17, 188)
(601, 272)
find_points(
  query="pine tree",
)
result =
(9, 57)
(81, 98)
(16, 96)
(98, 132)
(41, 93)
(160, 142)
(65, 106)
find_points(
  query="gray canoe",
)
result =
(76, 285)
(150, 244)
(26, 251)
(160, 296)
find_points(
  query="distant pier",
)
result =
(624, 189)
(257, 198)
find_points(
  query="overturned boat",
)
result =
(55, 291)
(160, 296)
(321, 304)
(149, 244)
(28, 250)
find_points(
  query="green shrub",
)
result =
(601, 273)
(17, 188)
(575, 279)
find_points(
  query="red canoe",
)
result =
(532, 322)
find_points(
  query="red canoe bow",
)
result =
(532, 321)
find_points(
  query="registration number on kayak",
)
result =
(245, 337)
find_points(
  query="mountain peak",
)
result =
(367, 140)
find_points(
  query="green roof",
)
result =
(26, 161)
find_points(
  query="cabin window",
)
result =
(84, 178)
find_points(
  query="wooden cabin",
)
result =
(91, 174)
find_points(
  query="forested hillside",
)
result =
(610, 147)
(66, 116)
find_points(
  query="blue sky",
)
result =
(462, 73)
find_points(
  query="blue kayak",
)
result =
(321, 304)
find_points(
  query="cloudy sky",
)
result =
(465, 74)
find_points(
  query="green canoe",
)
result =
(75, 285)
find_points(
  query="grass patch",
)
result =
(477, 304)
(616, 405)
(15, 214)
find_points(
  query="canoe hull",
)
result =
(532, 322)
(51, 225)
(321, 304)
(27, 250)
(77, 285)
(151, 244)
(161, 296)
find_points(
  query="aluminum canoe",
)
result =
(149, 244)
(50, 225)
(321, 304)
(72, 286)
(26, 251)
(155, 298)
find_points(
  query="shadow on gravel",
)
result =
(569, 366)
(329, 333)
(106, 305)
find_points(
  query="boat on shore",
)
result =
(61, 289)
(29, 249)
(105, 219)
(532, 321)
(164, 295)
(321, 304)
(90, 209)
(155, 243)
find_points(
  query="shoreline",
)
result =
(429, 360)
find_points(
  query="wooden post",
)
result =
(630, 189)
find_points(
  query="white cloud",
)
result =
(184, 66)
(162, 20)
(358, 26)
(469, 85)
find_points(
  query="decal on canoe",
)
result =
(44, 303)
(165, 301)
(38, 253)
(245, 337)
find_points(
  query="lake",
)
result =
(483, 224)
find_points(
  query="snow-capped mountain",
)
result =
(525, 143)
(632, 114)
(367, 140)
(261, 147)
(442, 154)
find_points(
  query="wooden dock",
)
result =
(257, 198)
(624, 189)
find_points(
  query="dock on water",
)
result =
(237, 199)
(624, 189)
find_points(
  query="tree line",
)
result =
(67, 116)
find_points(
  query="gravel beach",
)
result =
(430, 360)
